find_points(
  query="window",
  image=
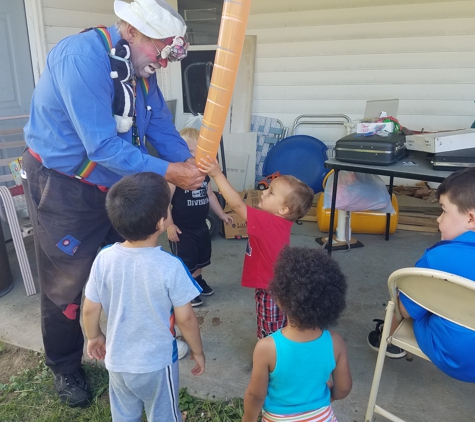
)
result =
(202, 18)
(196, 71)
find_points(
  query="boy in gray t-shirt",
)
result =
(144, 291)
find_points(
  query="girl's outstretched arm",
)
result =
(263, 361)
(341, 375)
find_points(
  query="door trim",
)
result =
(36, 36)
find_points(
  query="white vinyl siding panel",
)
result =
(325, 57)
(280, 6)
(330, 56)
(67, 17)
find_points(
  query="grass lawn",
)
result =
(27, 394)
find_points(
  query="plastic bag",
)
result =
(358, 192)
(194, 121)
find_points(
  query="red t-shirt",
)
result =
(268, 234)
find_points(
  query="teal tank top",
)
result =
(298, 382)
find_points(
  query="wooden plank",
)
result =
(241, 104)
(416, 213)
(418, 221)
(309, 218)
(237, 164)
(311, 215)
(243, 143)
(409, 204)
(312, 212)
(432, 212)
(417, 228)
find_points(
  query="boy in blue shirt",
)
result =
(143, 291)
(449, 346)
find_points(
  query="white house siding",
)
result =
(67, 17)
(330, 56)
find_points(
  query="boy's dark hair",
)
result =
(460, 189)
(309, 287)
(299, 200)
(136, 203)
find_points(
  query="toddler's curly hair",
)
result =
(309, 287)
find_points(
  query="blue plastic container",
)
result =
(301, 156)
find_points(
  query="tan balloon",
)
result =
(228, 54)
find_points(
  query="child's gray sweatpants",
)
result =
(156, 392)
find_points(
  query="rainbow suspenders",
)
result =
(87, 166)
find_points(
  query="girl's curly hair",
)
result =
(309, 287)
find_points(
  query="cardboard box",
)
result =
(442, 141)
(238, 229)
(370, 127)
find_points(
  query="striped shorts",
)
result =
(324, 414)
(269, 317)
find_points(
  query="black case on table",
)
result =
(454, 160)
(374, 149)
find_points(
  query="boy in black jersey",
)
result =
(188, 233)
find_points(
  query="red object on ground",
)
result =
(17, 190)
(264, 183)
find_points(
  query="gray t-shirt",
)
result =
(138, 289)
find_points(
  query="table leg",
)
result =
(388, 215)
(332, 212)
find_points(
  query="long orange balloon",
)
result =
(228, 54)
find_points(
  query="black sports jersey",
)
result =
(190, 207)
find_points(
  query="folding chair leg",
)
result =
(387, 415)
(18, 240)
(379, 362)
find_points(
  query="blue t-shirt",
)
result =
(298, 382)
(138, 289)
(449, 346)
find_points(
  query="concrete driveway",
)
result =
(416, 391)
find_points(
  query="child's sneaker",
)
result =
(182, 348)
(197, 301)
(207, 291)
(374, 341)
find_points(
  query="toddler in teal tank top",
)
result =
(299, 370)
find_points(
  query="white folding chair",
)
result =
(447, 295)
(19, 228)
